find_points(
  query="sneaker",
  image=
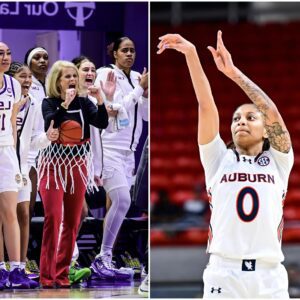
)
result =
(132, 263)
(16, 280)
(123, 271)
(32, 283)
(144, 273)
(3, 278)
(32, 270)
(7, 265)
(144, 287)
(103, 269)
(77, 274)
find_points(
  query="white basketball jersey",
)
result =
(22, 115)
(9, 94)
(247, 197)
(37, 90)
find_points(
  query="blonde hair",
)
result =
(52, 88)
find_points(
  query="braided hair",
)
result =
(15, 67)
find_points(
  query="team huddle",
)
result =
(63, 133)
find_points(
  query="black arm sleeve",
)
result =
(50, 112)
(98, 116)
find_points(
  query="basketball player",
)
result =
(11, 178)
(247, 183)
(140, 184)
(29, 135)
(65, 168)
(118, 150)
(37, 60)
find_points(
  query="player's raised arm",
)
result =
(277, 132)
(208, 124)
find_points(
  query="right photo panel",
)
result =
(225, 150)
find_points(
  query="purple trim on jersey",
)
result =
(5, 85)
(12, 86)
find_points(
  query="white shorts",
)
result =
(233, 278)
(11, 178)
(31, 160)
(118, 168)
(24, 192)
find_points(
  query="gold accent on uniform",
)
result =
(24, 181)
(18, 178)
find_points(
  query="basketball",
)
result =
(70, 132)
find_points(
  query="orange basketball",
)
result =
(70, 132)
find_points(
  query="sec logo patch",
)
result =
(263, 161)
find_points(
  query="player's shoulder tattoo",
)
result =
(278, 137)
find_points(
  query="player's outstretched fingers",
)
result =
(213, 51)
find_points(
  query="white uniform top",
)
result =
(10, 93)
(246, 201)
(129, 94)
(31, 135)
(38, 92)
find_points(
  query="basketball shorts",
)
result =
(233, 278)
(24, 192)
(11, 178)
(118, 168)
(32, 159)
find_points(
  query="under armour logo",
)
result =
(245, 159)
(263, 161)
(218, 290)
(80, 17)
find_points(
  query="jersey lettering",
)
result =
(2, 117)
(3, 107)
(242, 177)
(240, 204)
(19, 121)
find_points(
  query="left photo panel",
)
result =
(74, 113)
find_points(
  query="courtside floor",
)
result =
(103, 290)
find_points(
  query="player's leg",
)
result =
(4, 273)
(144, 286)
(84, 214)
(33, 193)
(10, 183)
(23, 220)
(141, 173)
(11, 231)
(8, 212)
(120, 203)
(118, 192)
